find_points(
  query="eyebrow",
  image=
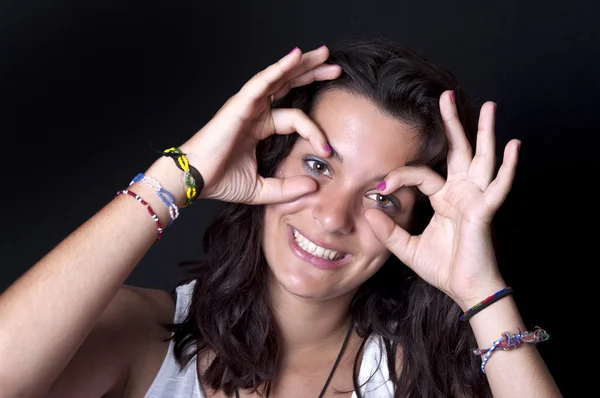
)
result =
(336, 155)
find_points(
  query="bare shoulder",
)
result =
(157, 304)
(157, 308)
(128, 335)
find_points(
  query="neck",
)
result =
(307, 326)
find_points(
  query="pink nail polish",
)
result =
(452, 97)
(381, 186)
(293, 49)
(327, 148)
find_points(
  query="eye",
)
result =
(317, 167)
(384, 202)
(382, 199)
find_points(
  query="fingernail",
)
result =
(293, 49)
(452, 97)
(381, 186)
(327, 148)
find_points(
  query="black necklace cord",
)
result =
(333, 368)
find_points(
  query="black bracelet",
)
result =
(468, 314)
(199, 181)
(194, 185)
(177, 156)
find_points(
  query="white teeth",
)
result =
(315, 250)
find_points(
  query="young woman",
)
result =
(354, 257)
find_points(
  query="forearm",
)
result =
(518, 372)
(47, 313)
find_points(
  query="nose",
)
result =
(333, 212)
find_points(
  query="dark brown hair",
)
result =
(229, 313)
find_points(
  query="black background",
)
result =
(88, 88)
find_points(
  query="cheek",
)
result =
(278, 214)
(371, 246)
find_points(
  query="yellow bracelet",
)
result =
(192, 178)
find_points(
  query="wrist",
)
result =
(501, 316)
(139, 192)
(475, 294)
(207, 162)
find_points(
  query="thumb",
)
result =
(277, 190)
(395, 238)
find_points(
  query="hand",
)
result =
(224, 150)
(454, 252)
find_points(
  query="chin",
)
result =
(300, 283)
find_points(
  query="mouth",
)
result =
(322, 257)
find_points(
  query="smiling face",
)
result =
(320, 245)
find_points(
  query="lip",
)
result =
(315, 261)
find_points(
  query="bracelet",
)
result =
(468, 314)
(510, 341)
(192, 178)
(162, 193)
(148, 207)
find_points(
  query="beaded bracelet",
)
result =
(468, 314)
(162, 193)
(148, 207)
(192, 178)
(510, 341)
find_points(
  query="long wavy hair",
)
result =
(229, 313)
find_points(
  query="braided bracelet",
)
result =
(468, 314)
(191, 176)
(162, 193)
(148, 207)
(510, 341)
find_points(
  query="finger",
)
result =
(310, 60)
(459, 149)
(482, 167)
(262, 84)
(320, 73)
(424, 178)
(394, 237)
(499, 188)
(293, 120)
(277, 190)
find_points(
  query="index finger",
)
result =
(294, 120)
(424, 178)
